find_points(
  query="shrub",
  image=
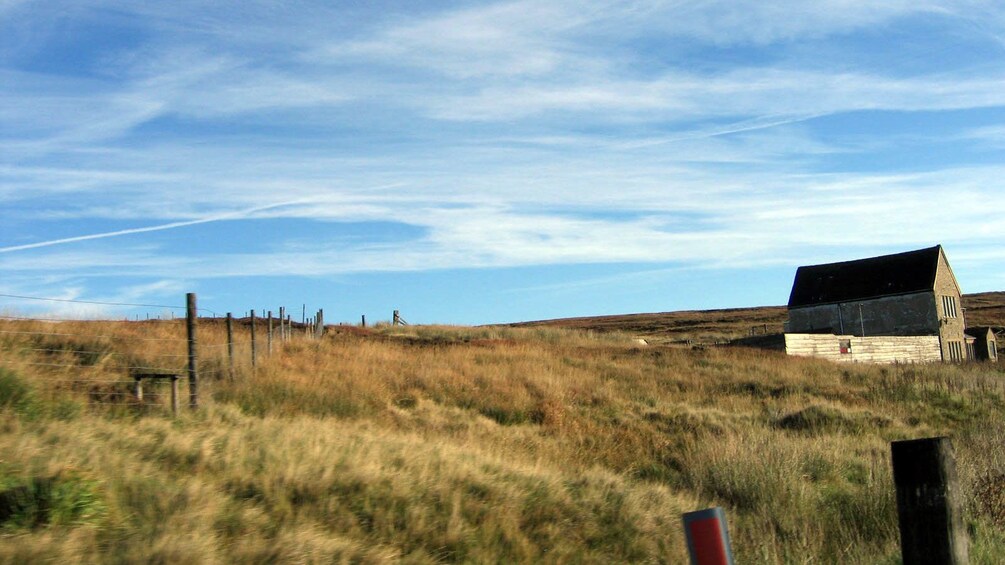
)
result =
(14, 392)
(989, 498)
(824, 419)
(17, 395)
(62, 500)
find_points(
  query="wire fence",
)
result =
(118, 361)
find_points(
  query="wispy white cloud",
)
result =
(797, 218)
(764, 95)
(506, 134)
(988, 136)
(726, 23)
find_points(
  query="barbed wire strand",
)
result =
(94, 336)
(102, 303)
(79, 366)
(178, 370)
(242, 342)
(74, 301)
(108, 353)
(81, 320)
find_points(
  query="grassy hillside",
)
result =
(704, 326)
(483, 445)
(709, 326)
(985, 309)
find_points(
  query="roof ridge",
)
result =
(869, 277)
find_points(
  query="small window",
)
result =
(845, 345)
(949, 307)
(955, 351)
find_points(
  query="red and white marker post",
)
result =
(707, 537)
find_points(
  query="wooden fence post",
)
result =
(253, 351)
(396, 318)
(363, 320)
(928, 502)
(191, 315)
(282, 318)
(230, 342)
(319, 329)
(270, 333)
(174, 395)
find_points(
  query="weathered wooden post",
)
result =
(139, 390)
(363, 320)
(928, 502)
(396, 318)
(319, 329)
(230, 341)
(191, 314)
(270, 333)
(174, 395)
(707, 537)
(253, 351)
(282, 327)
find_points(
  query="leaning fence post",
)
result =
(708, 537)
(191, 314)
(253, 352)
(928, 502)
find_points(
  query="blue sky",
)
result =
(479, 162)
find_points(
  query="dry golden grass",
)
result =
(478, 445)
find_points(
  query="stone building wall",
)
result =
(878, 349)
(950, 327)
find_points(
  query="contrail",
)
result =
(173, 225)
(763, 122)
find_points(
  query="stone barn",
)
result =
(911, 300)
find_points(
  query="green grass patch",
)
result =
(18, 395)
(61, 500)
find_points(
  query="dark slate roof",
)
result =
(901, 273)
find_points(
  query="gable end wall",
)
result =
(950, 329)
